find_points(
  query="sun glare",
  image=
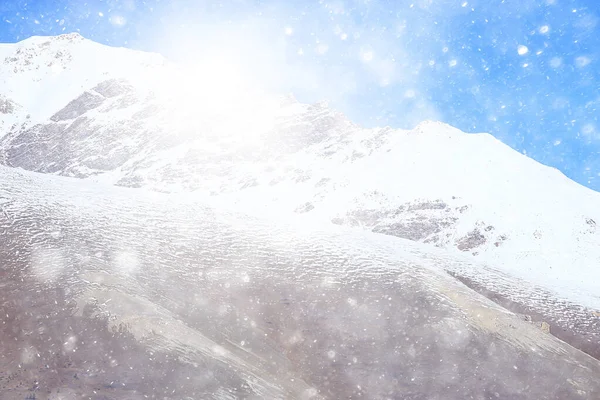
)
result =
(221, 81)
(218, 89)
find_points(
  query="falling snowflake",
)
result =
(522, 50)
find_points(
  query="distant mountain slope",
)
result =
(132, 119)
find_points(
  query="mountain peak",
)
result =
(436, 127)
(71, 36)
(45, 40)
(288, 99)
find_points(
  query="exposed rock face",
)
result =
(471, 241)
(7, 106)
(84, 103)
(113, 88)
(419, 221)
(27, 57)
(63, 147)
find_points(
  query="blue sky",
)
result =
(524, 70)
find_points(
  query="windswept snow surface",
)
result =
(132, 119)
(128, 294)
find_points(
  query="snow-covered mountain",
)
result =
(130, 293)
(77, 108)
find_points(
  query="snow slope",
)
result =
(174, 132)
(128, 294)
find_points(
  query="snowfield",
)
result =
(127, 293)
